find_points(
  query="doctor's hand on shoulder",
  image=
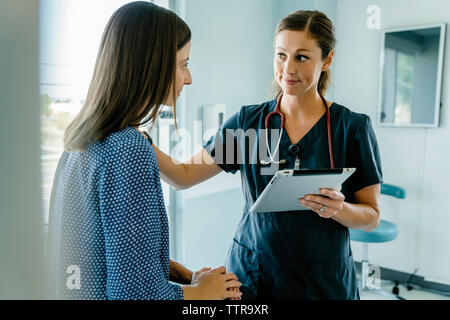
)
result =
(326, 205)
(213, 284)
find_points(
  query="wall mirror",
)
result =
(410, 76)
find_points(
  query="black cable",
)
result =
(408, 286)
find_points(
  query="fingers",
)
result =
(328, 213)
(221, 269)
(333, 194)
(234, 294)
(317, 202)
(230, 276)
(312, 201)
(237, 291)
(312, 205)
(333, 200)
(232, 284)
(197, 273)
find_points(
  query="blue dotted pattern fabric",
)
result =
(108, 223)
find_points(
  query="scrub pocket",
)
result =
(333, 280)
(244, 263)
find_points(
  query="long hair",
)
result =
(134, 73)
(320, 28)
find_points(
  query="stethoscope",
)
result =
(294, 148)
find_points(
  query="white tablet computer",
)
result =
(284, 191)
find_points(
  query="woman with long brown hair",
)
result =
(303, 254)
(109, 235)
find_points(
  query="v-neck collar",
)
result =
(319, 128)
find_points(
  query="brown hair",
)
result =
(134, 71)
(320, 28)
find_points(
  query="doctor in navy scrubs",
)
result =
(295, 254)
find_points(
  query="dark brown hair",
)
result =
(134, 73)
(320, 28)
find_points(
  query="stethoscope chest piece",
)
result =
(267, 162)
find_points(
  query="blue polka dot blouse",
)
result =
(108, 227)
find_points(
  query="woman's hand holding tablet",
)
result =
(326, 205)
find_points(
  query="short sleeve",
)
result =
(365, 157)
(132, 218)
(223, 146)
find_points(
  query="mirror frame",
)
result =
(438, 102)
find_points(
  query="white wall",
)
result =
(21, 221)
(415, 159)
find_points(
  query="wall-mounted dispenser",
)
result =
(214, 115)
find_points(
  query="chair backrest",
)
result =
(393, 191)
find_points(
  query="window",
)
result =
(70, 33)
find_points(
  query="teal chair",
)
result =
(386, 231)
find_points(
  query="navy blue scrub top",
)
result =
(295, 254)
